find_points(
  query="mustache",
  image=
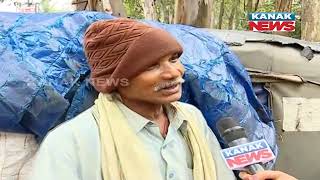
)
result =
(168, 84)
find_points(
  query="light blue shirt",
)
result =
(72, 150)
(171, 154)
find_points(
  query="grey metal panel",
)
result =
(233, 37)
(274, 56)
(298, 151)
(284, 60)
(299, 155)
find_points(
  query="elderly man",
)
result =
(137, 129)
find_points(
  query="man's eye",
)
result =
(174, 60)
(152, 67)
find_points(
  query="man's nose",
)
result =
(170, 71)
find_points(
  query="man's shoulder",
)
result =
(190, 110)
(83, 121)
(188, 107)
(79, 127)
(72, 148)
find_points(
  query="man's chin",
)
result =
(170, 98)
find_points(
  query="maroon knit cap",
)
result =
(123, 48)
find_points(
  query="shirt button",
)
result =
(171, 175)
(164, 147)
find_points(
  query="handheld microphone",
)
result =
(234, 135)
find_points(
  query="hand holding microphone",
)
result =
(265, 175)
(242, 153)
(245, 154)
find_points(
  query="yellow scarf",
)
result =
(123, 156)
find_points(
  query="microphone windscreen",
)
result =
(230, 130)
(226, 123)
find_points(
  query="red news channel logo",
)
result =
(273, 21)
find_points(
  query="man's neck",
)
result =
(153, 112)
(148, 110)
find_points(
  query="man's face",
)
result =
(159, 84)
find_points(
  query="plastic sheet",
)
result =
(44, 75)
(41, 59)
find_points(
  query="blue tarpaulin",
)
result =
(44, 75)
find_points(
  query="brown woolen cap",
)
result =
(123, 48)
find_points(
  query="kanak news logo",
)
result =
(238, 157)
(264, 22)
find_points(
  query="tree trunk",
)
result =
(193, 12)
(166, 8)
(180, 16)
(238, 17)
(215, 14)
(166, 14)
(106, 6)
(283, 5)
(97, 5)
(149, 9)
(204, 14)
(118, 8)
(310, 21)
(249, 6)
(212, 23)
(80, 5)
(221, 14)
(92, 4)
(235, 6)
(256, 5)
(170, 8)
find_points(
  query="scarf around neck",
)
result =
(123, 156)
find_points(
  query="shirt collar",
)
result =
(138, 122)
(175, 117)
(135, 120)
